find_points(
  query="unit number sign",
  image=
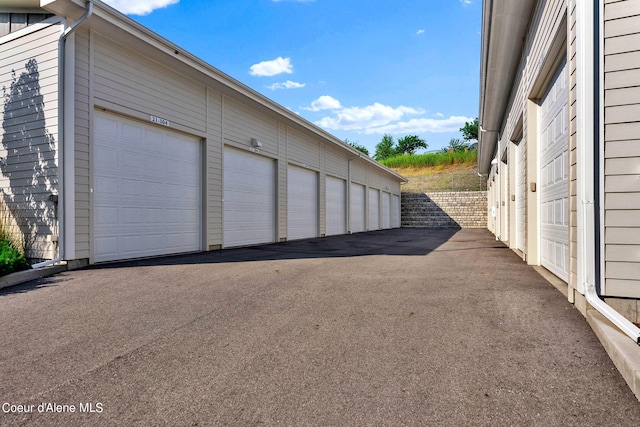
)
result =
(160, 121)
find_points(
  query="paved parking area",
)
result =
(397, 327)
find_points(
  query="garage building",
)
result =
(158, 152)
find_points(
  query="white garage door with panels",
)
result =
(396, 211)
(374, 209)
(356, 208)
(249, 198)
(336, 206)
(521, 194)
(554, 178)
(147, 190)
(302, 203)
(386, 210)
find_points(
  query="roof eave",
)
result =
(73, 9)
(504, 27)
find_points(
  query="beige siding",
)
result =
(303, 149)
(124, 78)
(214, 170)
(241, 124)
(573, 169)
(358, 172)
(83, 111)
(336, 163)
(28, 72)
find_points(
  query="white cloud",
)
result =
(325, 102)
(297, 1)
(439, 115)
(139, 7)
(286, 85)
(451, 124)
(420, 31)
(364, 118)
(271, 68)
(465, 2)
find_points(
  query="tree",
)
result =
(385, 148)
(456, 145)
(470, 130)
(357, 146)
(409, 144)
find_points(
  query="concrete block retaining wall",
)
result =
(464, 209)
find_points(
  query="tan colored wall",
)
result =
(29, 135)
(622, 148)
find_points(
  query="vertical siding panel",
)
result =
(214, 170)
(83, 109)
(573, 169)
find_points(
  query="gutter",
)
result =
(61, 133)
(593, 290)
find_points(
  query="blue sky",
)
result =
(356, 68)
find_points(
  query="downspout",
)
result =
(593, 288)
(61, 133)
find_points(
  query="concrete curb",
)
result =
(624, 353)
(20, 277)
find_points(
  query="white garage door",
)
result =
(521, 193)
(356, 208)
(249, 198)
(554, 192)
(374, 209)
(302, 203)
(386, 210)
(336, 206)
(147, 190)
(396, 211)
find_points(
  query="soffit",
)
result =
(504, 26)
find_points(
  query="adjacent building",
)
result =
(560, 144)
(118, 144)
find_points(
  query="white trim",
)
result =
(584, 145)
(69, 239)
(603, 282)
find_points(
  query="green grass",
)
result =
(406, 161)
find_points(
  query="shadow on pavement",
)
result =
(401, 241)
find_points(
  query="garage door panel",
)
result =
(386, 210)
(554, 164)
(335, 206)
(357, 208)
(374, 209)
(137, 203)
(302, 203)
(396, 211)
(249, 198)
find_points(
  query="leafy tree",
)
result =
(409, 144)
(385, 148)
(357, 146)
(456, 145)
(470, 130)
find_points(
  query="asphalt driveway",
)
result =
(397, 327)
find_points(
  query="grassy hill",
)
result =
(438, 171)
